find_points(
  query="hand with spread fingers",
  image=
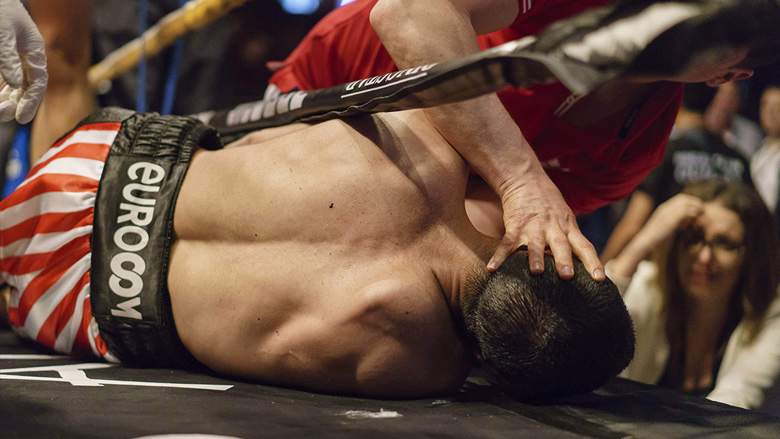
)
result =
(482, 130)
(23, 76)
(536, 215)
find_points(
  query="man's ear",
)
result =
(734, 74)
(741, 74)
(720, 80)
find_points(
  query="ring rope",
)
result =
(193, 15)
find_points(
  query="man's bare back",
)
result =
(328, 258)
(337, 257)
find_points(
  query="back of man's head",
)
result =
(544, 337)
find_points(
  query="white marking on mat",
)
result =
(30, 357)
(364, 414)
(78, 378)
(73, 374)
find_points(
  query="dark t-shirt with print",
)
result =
(695, 155)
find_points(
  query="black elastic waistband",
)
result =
(133, 233)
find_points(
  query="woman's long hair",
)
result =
(756, 285)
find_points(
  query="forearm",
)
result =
(416, 32)
(639, 208)
(617, 241)
(534, 211)
(488, 139)
(624, 265)
(66, 29)
(480, 129)
(671, 216)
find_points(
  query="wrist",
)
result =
(490, 141)
(624, 265)
(523, 174)
(643, 243)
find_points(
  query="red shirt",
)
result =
(591, 167)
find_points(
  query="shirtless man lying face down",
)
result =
(336, 257)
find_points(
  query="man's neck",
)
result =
(458, 265)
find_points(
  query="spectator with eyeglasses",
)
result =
(700, 280)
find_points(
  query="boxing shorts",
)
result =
(85, 239)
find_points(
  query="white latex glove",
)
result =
(23, 74)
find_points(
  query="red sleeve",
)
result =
(341, 48)
(535, 15)
(640, 153)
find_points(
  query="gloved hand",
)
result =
(23, 74)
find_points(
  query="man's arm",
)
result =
(672, 215)
(482, 131)
(66, 28)
(641, 205)
(639, 208)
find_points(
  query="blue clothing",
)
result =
(18, 164)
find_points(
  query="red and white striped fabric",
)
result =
(45, 251)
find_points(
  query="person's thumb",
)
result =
(35, 66)
(9, 97)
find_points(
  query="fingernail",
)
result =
(598, 273)
(567, 271)
(537, 267)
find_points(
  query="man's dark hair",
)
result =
(543, 337)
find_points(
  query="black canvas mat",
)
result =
(51, 396)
